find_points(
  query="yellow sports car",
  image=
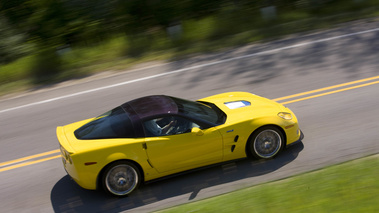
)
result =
(156, 136)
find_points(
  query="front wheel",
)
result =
(266, 143)
(121, 178)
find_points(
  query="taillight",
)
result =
(66, 155)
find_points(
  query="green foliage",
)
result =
(79, 57)
(16, 70)
(107, 34)
(349, 187)
(46, 65)
(198, 29)
(12, 43)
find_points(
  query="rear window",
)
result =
(112, 124)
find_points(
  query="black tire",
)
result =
(265, 143)
(121, 178)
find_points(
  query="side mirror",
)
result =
(197, 131)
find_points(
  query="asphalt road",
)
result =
(338, 126)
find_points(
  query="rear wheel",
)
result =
(121, 178)
(266, 142)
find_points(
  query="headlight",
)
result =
(285, 115)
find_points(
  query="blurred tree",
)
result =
(11, 42)
(201, 8)
(53, 24)
(43, 21)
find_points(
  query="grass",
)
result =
(208, 34)
(349, 187)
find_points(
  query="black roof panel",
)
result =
(151, 105)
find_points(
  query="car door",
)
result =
(181, 149)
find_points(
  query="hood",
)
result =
(242, 105)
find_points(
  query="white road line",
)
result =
(191, 68)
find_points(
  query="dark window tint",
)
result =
(200, 110)
(112, 124)
(171, 125)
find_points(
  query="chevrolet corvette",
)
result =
(155, 136)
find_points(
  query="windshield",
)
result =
(205, 111)
(112, 124)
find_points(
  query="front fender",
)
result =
(289, 127)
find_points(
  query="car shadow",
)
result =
(67, 196)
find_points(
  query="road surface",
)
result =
(339, 118)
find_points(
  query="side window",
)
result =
(171, 125)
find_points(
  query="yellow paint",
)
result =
(326, 88)
(29, 157)
(18, 164)
(170, 154)
(331, 92)
(28, 163)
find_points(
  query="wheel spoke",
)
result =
(121, 179)
(267, 143)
